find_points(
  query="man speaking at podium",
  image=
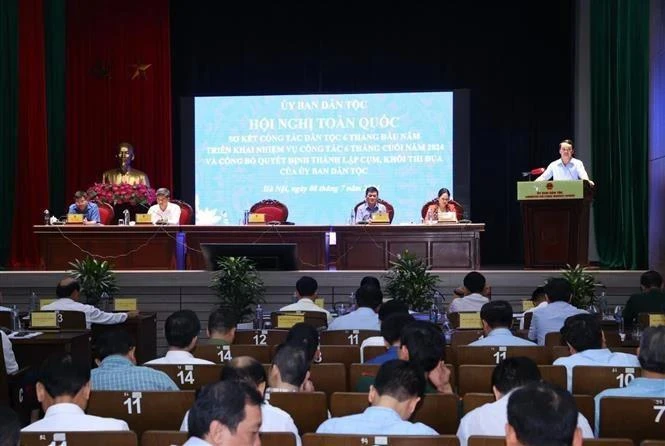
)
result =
(567, 168)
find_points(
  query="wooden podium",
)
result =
(555, 220)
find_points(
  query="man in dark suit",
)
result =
(650, 300)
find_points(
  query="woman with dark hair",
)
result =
(443, 204)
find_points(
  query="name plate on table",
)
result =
(527, 305)
(289, 320)
(45, 302)
(550, 190)
(380, 217)
(656, 320)
(142, 219)
(469, 320)
(320, 302)
(74, 218)
(44, 319)
(256, 218)
(125, 304)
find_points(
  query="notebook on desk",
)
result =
(142, 219)
(74, 218)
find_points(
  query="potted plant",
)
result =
(239, 287)
(582, 284)
(410, 281)
(95, 276)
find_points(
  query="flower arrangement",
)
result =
(124, 193)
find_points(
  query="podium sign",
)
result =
(550, 190)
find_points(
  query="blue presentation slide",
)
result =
(318, 153)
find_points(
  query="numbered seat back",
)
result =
(586, 406)
(329, 377)
(308, 409)
(115, 438)
(223, 353)
(364, 371)
(635, 418)
(367, 440)
(372, 351)
(494, 355)
(348, 403)
(473, 400)
(260, 337)
(347, 337)
(346, 354)
(142, 410)
(439, 411)
(590, 380)
(465, 337)
(163, 438)
(190, 376)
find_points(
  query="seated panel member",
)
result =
(164, 212)
(566, 168)
(497, 318)
(306, 288)
(552, 317)
(475, 288)
(371, 206)
(444, 204)
(650, 300)
(221, 327)
(369, 300)
(89, 210)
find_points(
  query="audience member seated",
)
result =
(164, 212)
(117, 369)
(542, 414)
(392, 306)
(306, 336)
(497, 318)
(397, 389)
(475, 287)
(225, 413)
(306, 288)
(68, 292)
(290, 369)
(368, 299)
(490, 419)
(182, 330)
(552, 317)
(250, 371)
(391, 329)
(63, 389)
(89, 210)
(364, 211)
(221, 327)
(586, 342)
(650, 300)
(8, 353)
(539, 299)
(651, 355)
(10, 427)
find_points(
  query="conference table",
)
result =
(319, 247)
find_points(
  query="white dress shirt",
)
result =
(472, 302)
(372, 341)
(195, 441)
(574, 170)
(491, 418)
(307, 304)
(531, 310)
(502, 337)
(361, 319)
(93, 315)
(5, 309)
(65, 417)
(178, 357)
(10, 360)
(550, 318)
(170, 214)
(598, 357)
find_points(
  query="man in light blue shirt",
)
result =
(566, 168)
(364, 212)
(586, 342)
(117, 369)
(651, 355)
(552, 317)
(369, 300)
(89, 210)
(497, 318)
(397, 389)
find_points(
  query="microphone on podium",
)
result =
(535, 171)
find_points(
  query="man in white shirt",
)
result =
(586, 341)
(181, 330)
(63, 389)
(68, 293)
(8, 353)
(475, 287)
(289, 371)
(225, 413)
(566, 168)
(164, 212)
(497, 318)
(539, 299)
(369, 299)
(551, 318)
(306, 288)
(490, 419)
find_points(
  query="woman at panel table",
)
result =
(443, 204)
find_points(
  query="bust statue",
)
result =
(125, 173)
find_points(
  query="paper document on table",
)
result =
(24, 334)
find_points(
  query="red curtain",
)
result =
(106, 41)
(32, 185)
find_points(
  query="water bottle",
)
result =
(434, 313)
(447, 331)
(34, 301)
(47, 217)
(16, 320)
(104, 301)
(352, 218)
(352, 302)
(602, 304)
(125, 215)
(245, 219)
(258, 318)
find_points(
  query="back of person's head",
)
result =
(425, 344)
(399, 379)
(221, 321)
(66, 287)
(113, 342)
(541, 414)
(497, 314)
(304, 335)
(244, 368)
(582, 332)
(369, 297)
(370, 281)
(391, 307)
(538, 293)
(181, 328)
(651, 279)
(391, 327)
(652, 350)
(514, 372)
(474, 282)
(291, 360)
(558, 289)
(223, 402)
(10, 427)
(61, 375)
(306, 286)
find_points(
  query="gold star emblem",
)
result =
(140, 70)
